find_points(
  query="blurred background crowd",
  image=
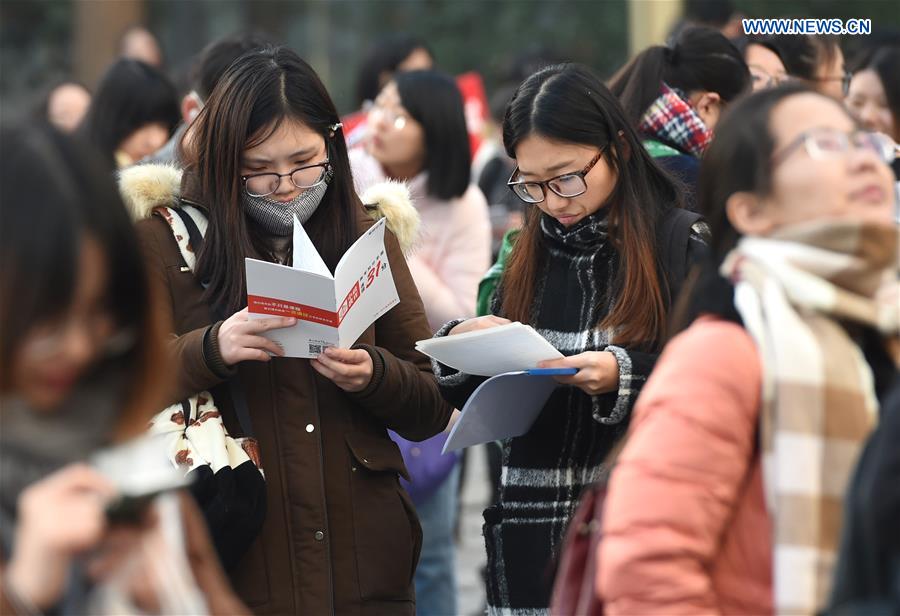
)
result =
(132, 77)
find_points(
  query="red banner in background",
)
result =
(475, 104)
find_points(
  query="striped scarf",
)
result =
(671, 118)
(793, 291)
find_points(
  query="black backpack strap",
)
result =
(675, 233)
(235, 389)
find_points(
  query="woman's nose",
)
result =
(284, 185)
(376, 120)
(555, 202)
(869, 116)
(862, 158)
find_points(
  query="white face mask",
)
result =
(276, 217)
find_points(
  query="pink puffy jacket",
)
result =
(685, 524)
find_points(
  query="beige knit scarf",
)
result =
(794, 290)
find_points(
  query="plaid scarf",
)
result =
(671, 118)
(793, 291)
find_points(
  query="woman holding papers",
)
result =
(728, 497)
(590, 273)
(340, 534)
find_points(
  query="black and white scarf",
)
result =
(545, 470)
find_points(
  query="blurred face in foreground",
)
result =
(823, 168)
(54, 355)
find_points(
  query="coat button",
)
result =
(310, 427)
(319, 535)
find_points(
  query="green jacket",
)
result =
(488, 284)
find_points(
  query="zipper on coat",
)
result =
(318, 432)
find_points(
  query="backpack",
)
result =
(674, 237)
(227, 479)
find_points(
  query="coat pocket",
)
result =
(386, 530)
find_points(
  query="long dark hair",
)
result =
(700, 58)
(803, 54)
(78, 201)
(739, 160)
(568, 103)
(131, 94)
(434, 101)
(382, 60)
(258, 92)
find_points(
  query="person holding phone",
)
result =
(81, 365)
(590, 273)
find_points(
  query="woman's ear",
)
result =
(622, 148)
(748, 214)
(191, 105)
(708, 106)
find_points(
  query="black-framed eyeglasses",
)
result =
(844, 79)
(567, 185)
(822, 143)
(763, 79)
(264, 184)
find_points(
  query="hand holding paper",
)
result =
(349, 369)
(514, 355)
(597, 371)
(241, 339)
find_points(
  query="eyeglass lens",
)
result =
(828, 143)
(564, 186)
(267, 183)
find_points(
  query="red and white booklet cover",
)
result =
(331, 310)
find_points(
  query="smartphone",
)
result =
(141, 471)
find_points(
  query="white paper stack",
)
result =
(489, 352)
(507, 404)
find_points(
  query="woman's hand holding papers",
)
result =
(474, 324)
(349, 369)
(598, 371)
(240, 338)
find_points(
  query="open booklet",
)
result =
(330, 310)
(508, 403)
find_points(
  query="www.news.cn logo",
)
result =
(807, 26)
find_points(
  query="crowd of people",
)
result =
(709, 237)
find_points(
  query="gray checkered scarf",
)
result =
(276, 217)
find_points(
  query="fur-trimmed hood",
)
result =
(145, 187)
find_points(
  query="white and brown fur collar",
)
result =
(147, 187)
